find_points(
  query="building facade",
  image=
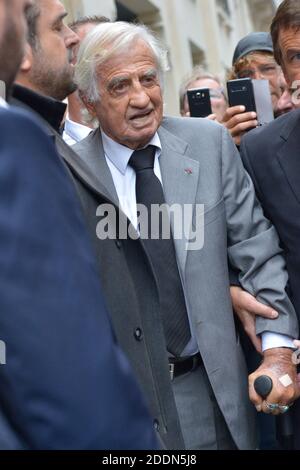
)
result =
(193, 31)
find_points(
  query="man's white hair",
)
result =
(105, 41)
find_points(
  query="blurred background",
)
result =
(195, 32)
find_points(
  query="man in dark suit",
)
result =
(65, 384)
(271, 156)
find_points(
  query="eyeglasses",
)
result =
(267, 71)
(217, 93)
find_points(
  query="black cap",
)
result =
(251, 43)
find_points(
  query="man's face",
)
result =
(289, 43)
(263, 67)
(82, 31)
(217, 98)
(131, 105)
(285, 103)
(52, 71)
(13, 30)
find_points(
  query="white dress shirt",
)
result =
(3, 103)
(124, 177)
(75, 132)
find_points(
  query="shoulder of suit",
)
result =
(195, 130)
(18, 118)
(275, 132)
(190, 123)
(8, 114)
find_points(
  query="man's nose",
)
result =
(139, 97)
(71, 38)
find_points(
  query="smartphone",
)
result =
(241, 93)
(199, 102)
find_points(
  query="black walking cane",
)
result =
(284, 427)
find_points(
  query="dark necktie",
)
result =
(161, 251)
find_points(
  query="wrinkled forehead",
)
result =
(289, 35)
(204, 83)
(130, 50)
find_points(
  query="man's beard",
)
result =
(57, 84)
(11, 52)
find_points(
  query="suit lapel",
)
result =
(92, 167)
(289, 157)
(180, 177)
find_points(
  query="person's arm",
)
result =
(254, 252)
(246, 307)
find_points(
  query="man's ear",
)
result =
(90, 106)
(27, 59)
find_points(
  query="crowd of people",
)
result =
(134, 340)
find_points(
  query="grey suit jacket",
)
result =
(200, 165)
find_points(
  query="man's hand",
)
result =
(238, 122)
(211, 117)
(246, 308)
(279, 366)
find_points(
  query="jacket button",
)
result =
(119, 244)
(138, 334)
(156, 425)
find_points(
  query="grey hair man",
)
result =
(199, 78)
(141, 157)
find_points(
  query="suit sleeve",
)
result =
(253, 244)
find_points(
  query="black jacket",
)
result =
(271, 155)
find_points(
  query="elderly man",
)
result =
(271, 156)
(144, 161)
(53, 319)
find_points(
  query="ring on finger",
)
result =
(272, 406)
(284, 408)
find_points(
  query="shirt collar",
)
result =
(51, 110)
(3, 103)
(120, 155)
(77, 131)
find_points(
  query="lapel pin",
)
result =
(188, 171)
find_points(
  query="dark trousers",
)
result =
(296, 419)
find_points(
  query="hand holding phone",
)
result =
(241, 93)
(199, 102)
